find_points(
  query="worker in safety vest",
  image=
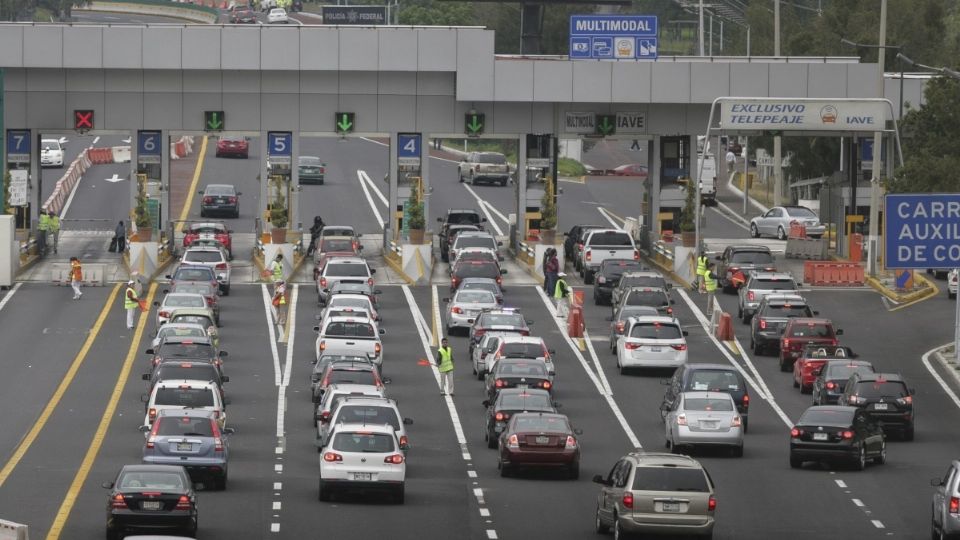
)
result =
(280, 302)
(710, 282)
(561, 295)
(276, 269)
(43, 227)
(701, 269)
(54, 225)
(131, 303)
(445, 367)
(76, 276)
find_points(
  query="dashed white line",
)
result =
(877, 523)
(484, 512)
(278, 486)
(277, 376)
(858, 502)
(472, 474)
(841, 483)
(275, 527)
(276, 505)
(492, 534)
(278, 467)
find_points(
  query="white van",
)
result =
(708, 180)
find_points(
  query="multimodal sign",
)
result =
(922, 230)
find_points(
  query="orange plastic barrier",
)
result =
(100, 156)
(725, 327)
(856, 247)
(576, 299)
(575, 322)
(798, 230)
(181, 149)
(828, 273)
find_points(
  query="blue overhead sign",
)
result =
(148, 147)
(18, 146)
(408, 149)
(613, 37)
(922, 230)
(279, 146)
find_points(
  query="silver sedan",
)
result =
(777, 220)
(466, 305)
(704, 419)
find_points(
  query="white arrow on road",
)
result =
(114, 179)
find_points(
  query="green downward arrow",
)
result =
(214, 122)
(344, 124)
(605, 126)
(475, 125)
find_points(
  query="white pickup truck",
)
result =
(602, 244)
(489, 167)
(353, 336)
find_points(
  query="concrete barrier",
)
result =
(144, 257)
(121, 154)
(13, 531)
(66, 183)
(416, 260)
(814, 249)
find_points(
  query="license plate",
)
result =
(543, 440)
(221, 200)
(523, 386)
(655, 349)
(708, 424)
(670, 507)
(362, 476)
(184, 447)
(880, 407)
(150, 505)
(819, 436)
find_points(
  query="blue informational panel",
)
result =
(408, 149)
(148, 146)
(922, 230)
(279, 146)
(18, 146)
(612, 37)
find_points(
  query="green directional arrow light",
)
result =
(474, 123)
(214, 120)
(606, 124)
(344, 122)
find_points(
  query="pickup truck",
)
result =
(602, 244)
(491, 167)
(759, 285)
(354, 336)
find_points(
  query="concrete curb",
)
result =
(397, 267)
(928, 290)
(947, 365)
(669, 271)
(186, 14)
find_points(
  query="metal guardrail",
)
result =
(661, 249)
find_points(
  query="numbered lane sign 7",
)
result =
(18, 146)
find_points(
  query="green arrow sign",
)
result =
(344, 122)
(474, 123)
(214, 120)
(606, 124)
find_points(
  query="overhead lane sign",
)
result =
(802, 115)
(609, 37)
(922, 230)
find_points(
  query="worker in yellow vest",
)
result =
(445, 367)
(710, 282)
(54, 225)
(701, 270)
(131, 303)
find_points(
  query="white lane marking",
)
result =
(374, 142)
(753, 368)
(267, 308)
(472, 474)
(379, 193)
(484, 209)
(758, 387)
(943, 384)
(275, 527)
(292, 318)
(278, 450)
(478, 493)
(276, 505)
(491, 534)
(373, 205)
(605, 393)
(278, 486)
(484, 512)
(609, 217)
(841, 483)
(497, 212)
(437, 322)
(858, 502)
(877, 523)
(9, 295)
(596, 362)
(278, 467)
(95, 139)
(734, 217)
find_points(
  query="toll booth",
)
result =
(675, 156)
(672, 200)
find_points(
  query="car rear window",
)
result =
(503, 319)
(193, 372)
(475, 241)
(812, 330)
(519, 369)
(356, 288)
(208, 229)
(183, 331)
(618, 266)
(788, 310)
(654, 330)
(669, 479)
(193, 288)
(522, 350)
(540, 423)
(844, 371)
(195, 319)
(151, 479)
(194, 274)
(367, 414)
(349, 329)
(775, 284)
(525, 401)
(184, 397)
(185, 350)
(707, 404)
(647, 298)
(219, 190)
(309, 161)
(610, 239)
(495, 159)
(337, 231)
(380, 443)
(336, 245)
(463, 219)
(477, 269)
(827, 417)
(881, 389)
(184, 300)
(636, 311)
(714, 380)
(481, 285)
(203, 256)
(352, 376)
(477, 256)
(342, 302)
(348, 270)
(751, 257)
(800, 212)
(476, 296)
(644, 281)
(185, 426)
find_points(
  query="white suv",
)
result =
(343, 270)
(952, 284)
(351, 336)
(214, 258)
(196, 395)
(367, 410)
(651, 342)
(331, 399)
(363, 457)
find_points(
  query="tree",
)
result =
(416, 220)
(931, 135)
(548, 206)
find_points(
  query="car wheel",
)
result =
(492, 441)
(623, 369)
(796, 383)
(398, 495)
(746, 317)
(619, 533)
(480, 374)
(754, 232)
(598, 525)
(795, 462)
(882, 458)
(861, 462)
(573, 473)
(444, 257)
(323, 492)
(739, 312)
(785, 367)
(613, 347)
(746, 423)
(951, 296)
(473, 180)
(113, 534)
(781, 235)
(504, 469)
(806, 389)
(908, 433)
(202, 213)
(757, 348)
(226, 290)
(737, 451)
(460, 174)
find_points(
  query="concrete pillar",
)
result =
(133, 181)
(36, 182)
(264, 182)
(296, 223)
(522, 190)
(653, 186)
(425, 175)
(389, 227)
(165, 178)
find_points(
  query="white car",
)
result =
(466, 304)
(277, 16)
(215, 258)
(350, 336)
(173, 301)
(952, 284)
(482, 355)
(51, 153)
(176, 395)
(331, 400)
(777, 221)
(178, 330)
(651, 342)
(704, 419)
(359, 302)
(526, 347)
(363, 457)
(368, 410)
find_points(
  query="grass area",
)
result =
(570, 167)
(43, 15)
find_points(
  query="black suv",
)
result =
(832, 379)
(766, 326)
(885, 397)
(609, 275)
(707, 377)
(573, 242)
(745, 259)
(457, 220)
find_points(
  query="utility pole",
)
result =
(873, 240)
(777, 143)
(701, 28)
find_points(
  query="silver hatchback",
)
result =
(191, 438)
(704, 419)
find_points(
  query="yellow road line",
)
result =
(60, 391)
(68, 501)
(193, 185)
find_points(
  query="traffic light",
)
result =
(82, 119)
(473, 123)
(344, 122)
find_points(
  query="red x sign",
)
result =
(82, 119)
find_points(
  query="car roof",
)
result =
(194, 413)
(541, 414)
(661, 319)
(518, 391)
(363, 317)
(749, 247)
(462, 211)
(203, 248)
(849, 362)
(642, 273)
(349, 296)
(184, 325)
(711, 367)
(192, 383)
(706, 394)
(646, 288)
(208, 224)
(153, 468)
(204, 311)
(517, 338)
(230, 186)
(891, 377)
(381, 429)
(346, 260)
(810, 320)
(772, 275)
(487, 280)
(660, 459)
(370, 401)
(337, 237)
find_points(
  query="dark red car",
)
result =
(539, 440)
(814, 356)
(233, 146)
(802, 331)
(197, 232)
(334, 246)
(475, 269)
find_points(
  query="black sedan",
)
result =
(513, 373)
(832, 379)
(836, 434)
(220, 199)
(151, 498)
(510, 402)
(609, 275)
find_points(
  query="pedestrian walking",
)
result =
(561, 295)
(731, 161)
(43, 226)
(119, 241)
(551, 268)
(54, 224)
(702, 262)
(280, 301)
(131, 302)
(710, 281)
(445, 367)
(76, 276)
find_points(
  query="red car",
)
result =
(197, 232)
(334, 246)
(475, 269)
(807, 367)
(631, 169)
(803, 331)
(539, 440)
(233, 146)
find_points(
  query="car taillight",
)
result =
(165, 314)
(681, 419)
(636, 255)
(854, 400)
(588, 255)
(404, 442)
(323, 282)
(118, 502)
(680, 347)
(152, 414)
(631, 346)
(376, 349)
(954, 505)
(750, 296)
(232, 200)
(746, 400)
(207, 200)
(736, 421)
(456, 309)
(326, 381)
(769, 269)
(331, 457)
(325, 416)
(499, 383)
(513, 442)
(627, 499)
(221, 266)
(395, 459)
(579, 246)
(501, 417)
(831, 385)
(217, 437)
(571, 442)
(712, 503)
(795, 433)
(763, 324)
(785, 344)
(453, 282)
(477, 332)
(323, 345)
(620, 327)
(847, 434)
(209, 301)
(499, 280)
(546, 385)
(906, 400)
(833, 342)
(669, 311)
(151, 441)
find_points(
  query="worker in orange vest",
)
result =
(738, 279)
(76, 276)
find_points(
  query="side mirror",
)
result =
(239, 193)
(665, 382)
(913, 391)
(446, 300)
(224, 354)
(143, 429)
(165, 291)
(145, 377)
(557, 405)
(439, 220)
(577, 431)
(816, 312)
(529, 321)
(673, 302)
(199, 486)
(503, 271)
(373, 270)
(229, 430)
(155, 303)
(486, 403)
(316, 329)
(669, 286)
(818, 371)
(387, 380)
(149, 351)
(200, 192)
(719, 258)
(378, 291)
(483, 220)
(935, 482)
(598, 479)
(500, 258)
(686, 333)
(499, 243)
(144, 398)
(225, 378)
(408, 421)
(382, 331)
(839, 331)
(551, 351)
(168, 277)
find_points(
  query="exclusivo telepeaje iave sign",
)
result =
(802, 115)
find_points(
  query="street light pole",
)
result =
(874, 259)
(777, 141)
(701, 27)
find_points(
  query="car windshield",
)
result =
(787, 310)
(537, 423)
(519, 369)
(523, 350)
(185, 350)
(800, 212)
(655, 330)
(51, 144)
(751, 257)
(775, 284)
(202, 256)
(185, 425)
(525, 401)
(647, 298)
(477, 269)
(207, 229)
(194, 274)
(610, 239)
(842, 371)
(465, 218)
(184, 397)
(193, 288)
(184, 300)
(512, 320)
(708, 404)
(368, 414)
(495, 159)
(309, 161)
(204, 321)
(336, 245)
(190, 372)
(152, 480)
(669, 479)
(349, 329)
(714, 380)
(182, 331)
(219, 190)
(475, 241)
(476, 296)
(881, 389)
(379, 443)
(827, 417)
(342, 302)
(352, 376)
(643, 281)
(811, 330)
(348, 270)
